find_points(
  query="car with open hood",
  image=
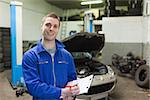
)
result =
(83, 47)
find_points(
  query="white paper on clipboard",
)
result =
(83, 83)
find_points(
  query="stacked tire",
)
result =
(1, 54)
(135, 7)
(6, 48)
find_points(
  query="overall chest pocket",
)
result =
(45, 71)
(43, 66)
(43, 63)
(63, 64)
(62, 72)
(43, 60)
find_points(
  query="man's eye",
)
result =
(48, 24)
(55, 26)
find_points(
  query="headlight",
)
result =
(110, 71)
(101, 70)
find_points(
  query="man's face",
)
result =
(50, 28)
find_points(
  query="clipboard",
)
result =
(83, 83)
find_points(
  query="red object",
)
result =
(68, 86)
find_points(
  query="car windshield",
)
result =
(80, 55)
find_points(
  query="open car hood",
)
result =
(84, 42)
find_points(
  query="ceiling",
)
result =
(72, 4)
(75, 4)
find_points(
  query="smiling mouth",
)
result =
(49, 33)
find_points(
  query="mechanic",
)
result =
(48, 67)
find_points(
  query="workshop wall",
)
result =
(123, 29)
(123, 35)
(122, 49)
(4, 13)
(75, 26)
(68, 27)
(146, 13)
(33, 11)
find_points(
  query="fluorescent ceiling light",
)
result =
(91, 2)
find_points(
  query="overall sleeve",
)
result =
(31, 76)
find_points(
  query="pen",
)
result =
(69, 86)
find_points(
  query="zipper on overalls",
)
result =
(53, 70)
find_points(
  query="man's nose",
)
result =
(52, 27)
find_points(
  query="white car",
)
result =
(84, 46)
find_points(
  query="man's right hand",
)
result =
(66, 92)
(70, 91)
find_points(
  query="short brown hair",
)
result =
(53, 15)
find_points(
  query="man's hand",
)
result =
(73, 86)
(65, 92)
(70, 91)
(75, 90)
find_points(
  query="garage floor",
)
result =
(126, 90)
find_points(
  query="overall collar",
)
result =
(40, 48)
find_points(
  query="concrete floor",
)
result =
(6, 91)
(126, 90)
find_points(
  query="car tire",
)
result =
(142, 76)
(2, 67)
